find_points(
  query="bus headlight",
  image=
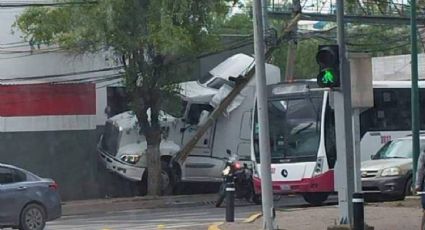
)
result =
(394, 171)
(319, 166)
(130, 158)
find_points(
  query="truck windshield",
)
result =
(397, 149)
(294, 129)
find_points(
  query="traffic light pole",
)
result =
(415, 90)
(344, 173)
(263, 118)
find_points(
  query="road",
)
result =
(199, 217)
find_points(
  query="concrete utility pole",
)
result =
(344, 173)
(415, 90)
(264, 15)
(292, 46)
(263, 118)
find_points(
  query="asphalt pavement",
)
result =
(162, 218)
(176, 217)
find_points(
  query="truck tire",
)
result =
(167, 179)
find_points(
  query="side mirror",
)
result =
(372, 156)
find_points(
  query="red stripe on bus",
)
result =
(321, 183)
(47, 99)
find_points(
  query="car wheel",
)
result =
(408, 191)
(33, 217)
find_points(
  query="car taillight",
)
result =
(53, 185)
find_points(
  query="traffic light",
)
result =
(328, 59)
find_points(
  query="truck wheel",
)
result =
(316, 198)
(167, 179)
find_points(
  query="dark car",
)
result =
(26, 200)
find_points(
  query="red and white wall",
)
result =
(51, 105)
(47, 107)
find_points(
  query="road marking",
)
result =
(253, 217)
(160, 226)
(215, 226)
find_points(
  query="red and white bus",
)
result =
(302, 134)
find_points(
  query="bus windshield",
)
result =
(294, 129)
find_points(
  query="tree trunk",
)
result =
(154, 170)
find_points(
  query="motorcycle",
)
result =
(239, 174)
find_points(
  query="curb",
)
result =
(93, 207)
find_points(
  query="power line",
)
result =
(61, 75)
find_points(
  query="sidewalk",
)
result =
(402, 215)
(86, 207)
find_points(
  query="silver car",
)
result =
(389, 172)
(26, 200)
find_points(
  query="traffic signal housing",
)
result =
(328, 59)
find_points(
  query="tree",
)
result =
(150, 36)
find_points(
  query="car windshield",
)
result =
(397, 149)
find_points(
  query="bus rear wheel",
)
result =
(315, 198)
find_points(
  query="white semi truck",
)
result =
(122, 149)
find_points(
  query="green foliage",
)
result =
(237, 24)
(382, 40)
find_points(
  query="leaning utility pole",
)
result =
(344, 173)
(292, 45)
(263, 118)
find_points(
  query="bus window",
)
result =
(391, 111)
